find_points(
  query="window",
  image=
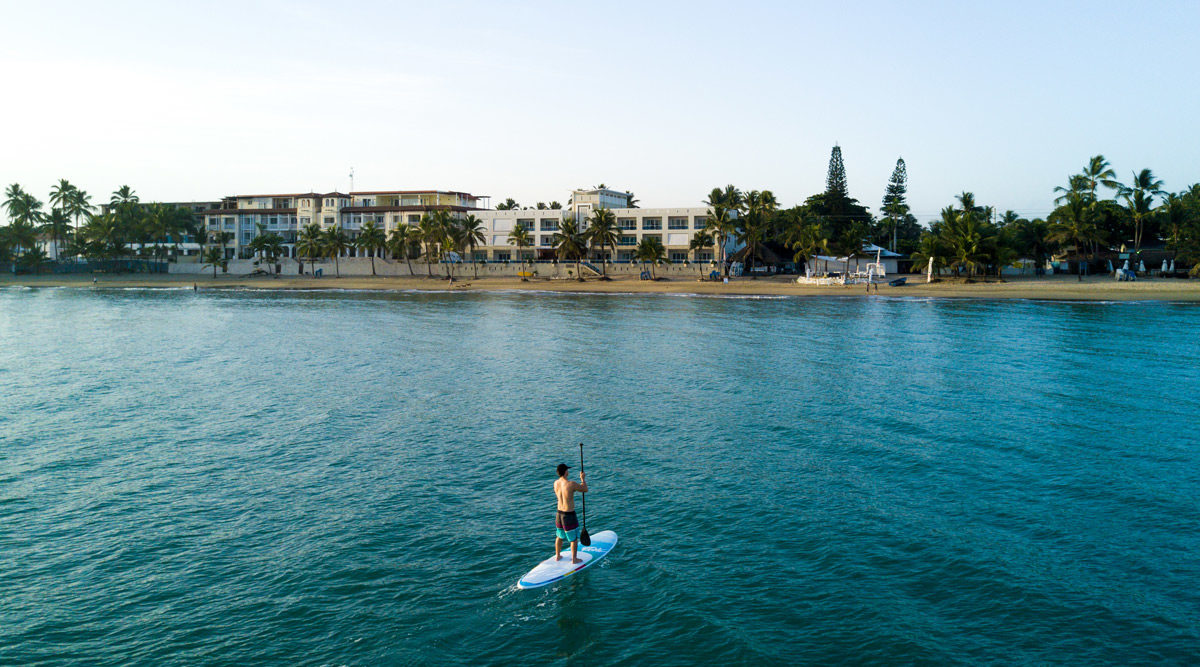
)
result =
(624, 256)
(651, 223)
(547, 241)
(627, 240)
(699, 222)
(273, 221)
(627, 223)
(527, 225)
(676, 223)
(503, 256)
(704, 256)
(414, 219)
(305, 220)
(329, 221)
(677, 256)
(548, 224)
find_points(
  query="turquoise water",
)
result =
(340, 478)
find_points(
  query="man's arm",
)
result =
(581, 485)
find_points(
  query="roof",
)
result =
(413, 192)
(233, 211)
(381, 209)
(871, 248)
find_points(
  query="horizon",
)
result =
(195, 104)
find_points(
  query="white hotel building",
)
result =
(675, 227)
(286, 214)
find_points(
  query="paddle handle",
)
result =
(583, 497)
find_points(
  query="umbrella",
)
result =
(1172, 269)
(929, 271)
(1126, 267)
(1110, 268)
(1141, 266)
(1164, 268)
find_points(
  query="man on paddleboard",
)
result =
(566, 524)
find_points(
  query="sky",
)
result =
(198, 100)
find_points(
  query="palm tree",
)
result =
(60, 198)
(1139, 199)
(519, 236)
(930, 247)
(160, 223)
(25, 212)
(309, 243)
(630, 200)
(723, 206)
(849, 244)
(473, 229)
(101, 235)
(371, 239)
(213, 257)
(400, 243)
(123, 195)
(650, 250)
(807, 238)
(1076, 226)
(334, 242)
(700, 242)
(570, 242)
(13, 195)
(430, 236)
(58, 224)
(273, 247)
(1097, 172)
(753, 229)
(602, 233)
(447, 238)
(258, 244)
(79, 205)
(1032, 239)
(509, 204)
(224, 238)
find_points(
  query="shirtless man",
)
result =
(566, 524)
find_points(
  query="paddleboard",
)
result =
(550, 570)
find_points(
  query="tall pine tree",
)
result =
(895, 202)
(835, 205)
(835, 181)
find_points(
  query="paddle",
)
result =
(584, 538)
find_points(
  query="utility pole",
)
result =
(351, 179)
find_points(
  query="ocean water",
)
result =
(341, 478)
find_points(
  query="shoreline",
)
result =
(1058, 288)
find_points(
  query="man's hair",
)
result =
(562, 470)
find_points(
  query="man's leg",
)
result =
(574, 545)
(557, 548)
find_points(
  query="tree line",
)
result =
(969, 239)
(78, 228)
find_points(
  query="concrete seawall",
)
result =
(357, 266)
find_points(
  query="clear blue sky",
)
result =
(199, 100)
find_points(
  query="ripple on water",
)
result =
(357, 478)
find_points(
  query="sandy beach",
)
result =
(1095, 288)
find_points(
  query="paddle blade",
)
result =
(584, 538)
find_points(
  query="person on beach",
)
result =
(566, 524)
